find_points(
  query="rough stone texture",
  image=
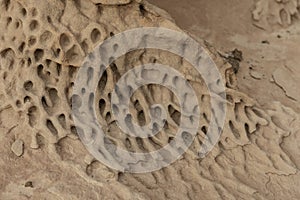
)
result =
(269, 13)
(40, 52)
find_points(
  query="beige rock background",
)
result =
(44, 42)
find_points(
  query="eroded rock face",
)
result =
(41, 50)
(269, 13)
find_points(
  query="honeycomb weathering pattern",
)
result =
(147, 38)
(43, 45)
(269, 13)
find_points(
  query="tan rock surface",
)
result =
(41, 50)
(18, 147)
(288, 79)
(111, 2)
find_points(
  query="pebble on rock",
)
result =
(18, 147)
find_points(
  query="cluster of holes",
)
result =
(95, 37)
(38, 56)
(140, 114)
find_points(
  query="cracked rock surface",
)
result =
(41, 50)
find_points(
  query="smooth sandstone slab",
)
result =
(286, 78)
